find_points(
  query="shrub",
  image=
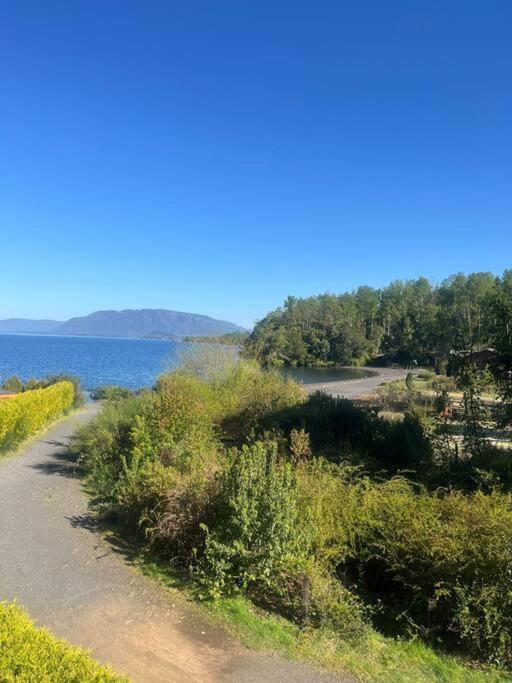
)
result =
(342, 431)
(300, 445)
(138, 452)
(333, 424)
(176, 531)
(335, 607)
(254, 523)
(330, 499)
(247, 394)
(235, 394)
(28, 653)
(13, 384)
(436, 563)
(32, 384)
(396, 395)
(111, 393)
(78, 397)
(442, 383)
(25, 414)
(102, 444)
(443, 562)
(181, 421)
(259, 542)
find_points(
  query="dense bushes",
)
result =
(26, 413)
(111, 392)
(343, 432)
(173, 434)
(28, 653)
(255, 522)
(432, 564)
(260, 543)
(237, 394)
(238, 477)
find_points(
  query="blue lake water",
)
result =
(132, 363)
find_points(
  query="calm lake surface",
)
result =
(132, 363)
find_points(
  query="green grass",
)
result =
(374, 658)
(30, 654)
(425, 387)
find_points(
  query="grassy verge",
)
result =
(28, 653)
(425, 387)
(374, 658)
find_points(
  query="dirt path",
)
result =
(54, 563)
(355, 388)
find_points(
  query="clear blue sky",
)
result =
(216, 156)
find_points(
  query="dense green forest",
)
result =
(406, 320)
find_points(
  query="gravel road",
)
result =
(355, 388)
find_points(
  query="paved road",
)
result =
(355, 388)
(54, 562)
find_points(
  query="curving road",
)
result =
(356, 388)
(56, 564)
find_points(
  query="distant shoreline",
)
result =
(88, 336)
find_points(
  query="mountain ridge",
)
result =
(145, 323)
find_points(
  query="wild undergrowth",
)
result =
(315, 510)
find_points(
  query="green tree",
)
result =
(475, 413)
(13, 384)
(406, 320)
(501, 317)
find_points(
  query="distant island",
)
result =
(146, 323)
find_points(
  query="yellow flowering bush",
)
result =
(25, 414)
(30, 654)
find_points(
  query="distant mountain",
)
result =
(22, 326)
(146, 323)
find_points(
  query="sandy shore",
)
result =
(355, 388)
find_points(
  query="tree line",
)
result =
(405, 321)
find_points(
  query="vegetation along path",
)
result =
(56, 564)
